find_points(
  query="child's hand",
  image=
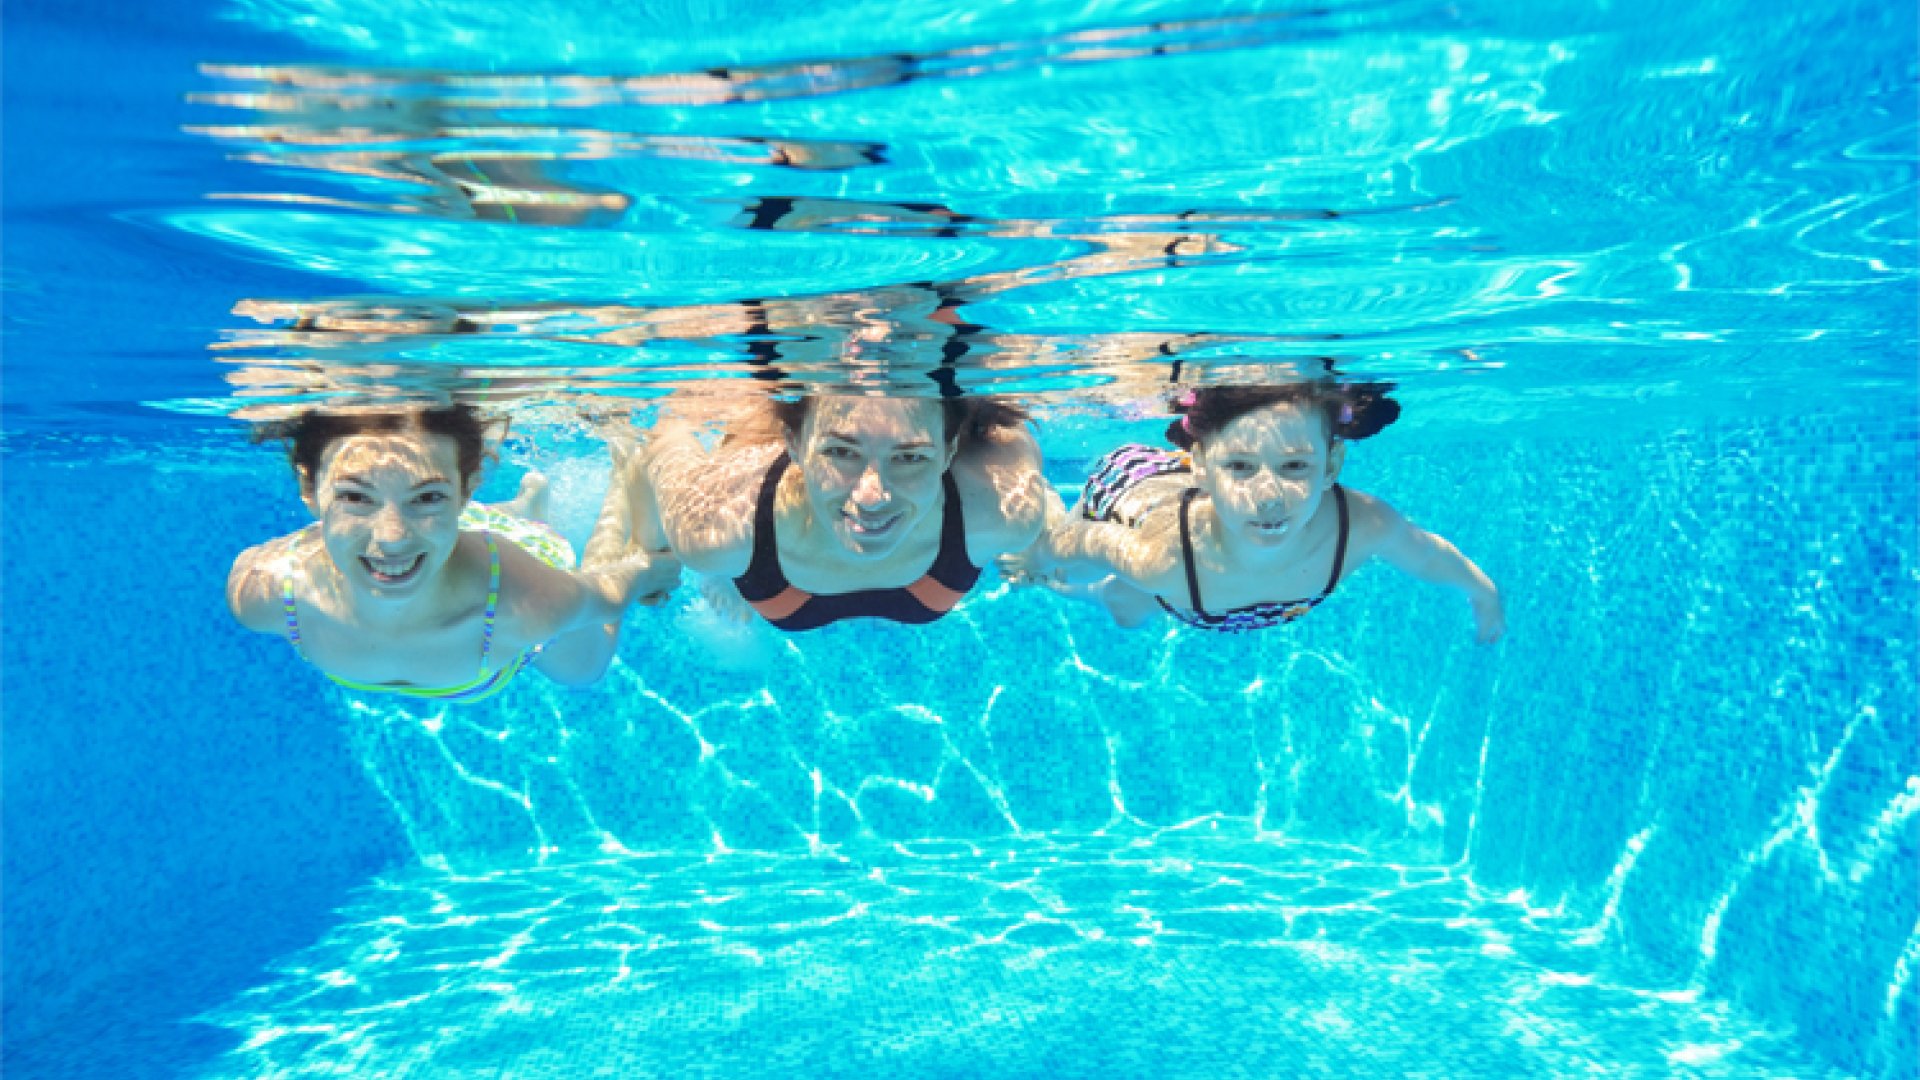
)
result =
(1029, 567)
(662, 576)
(1489, 617)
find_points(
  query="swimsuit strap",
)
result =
(1340, 550)
(293, 615)
(493, 600)
(951, 567)
(1186, 551)
(764, 579)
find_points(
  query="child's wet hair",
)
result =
(1352, 410)
(308, 435)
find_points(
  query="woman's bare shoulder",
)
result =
(706, 497)
(1004, 492)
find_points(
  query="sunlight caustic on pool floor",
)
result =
(1200, 952)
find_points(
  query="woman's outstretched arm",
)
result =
(701, 501)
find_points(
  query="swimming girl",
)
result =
(1244, 525)
(405, 585)
(841, 506)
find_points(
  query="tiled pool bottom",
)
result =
(1191, 953)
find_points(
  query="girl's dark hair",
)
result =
(308, 435)
(971, 419)
(1352, 410)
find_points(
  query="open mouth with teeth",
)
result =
(1271, 528)
(871, 528)
(393, 571)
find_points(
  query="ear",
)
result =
(1336, 457)
(953, 451)
(307, 494)
(1199, 466)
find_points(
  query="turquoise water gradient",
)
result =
(1644, 275)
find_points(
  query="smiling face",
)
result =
(1267, 470)
(872, 468)
(389, 508)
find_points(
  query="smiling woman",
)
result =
(402, 586)
(834, 507)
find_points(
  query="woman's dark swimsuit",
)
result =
(765, 585)
(1125, 468)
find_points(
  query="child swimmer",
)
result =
(1244, 526)
(402, 584)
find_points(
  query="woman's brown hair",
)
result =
(969, 419)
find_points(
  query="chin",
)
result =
(400, 590)
(382, 590)
(862, 548)
(870, 546)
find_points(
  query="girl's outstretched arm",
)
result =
(620, 562)
(1432, 558)
(1075, 549)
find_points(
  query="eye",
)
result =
(431, 499)
(913, 457)
(1238, 468)
(350, 497)
(837, 452)
(1296, 466)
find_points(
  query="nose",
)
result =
(1265, 488)
(870, 490)
(389, 526)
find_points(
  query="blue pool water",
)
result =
(1645, 277)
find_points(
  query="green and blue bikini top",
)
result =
(484, 685)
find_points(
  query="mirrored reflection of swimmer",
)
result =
(405, 585)
(1243, 526)
(833, 507)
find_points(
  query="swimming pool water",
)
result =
(1645, 278)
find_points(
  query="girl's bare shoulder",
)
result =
(257, 579)
(1371, 522)
(536, 601)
